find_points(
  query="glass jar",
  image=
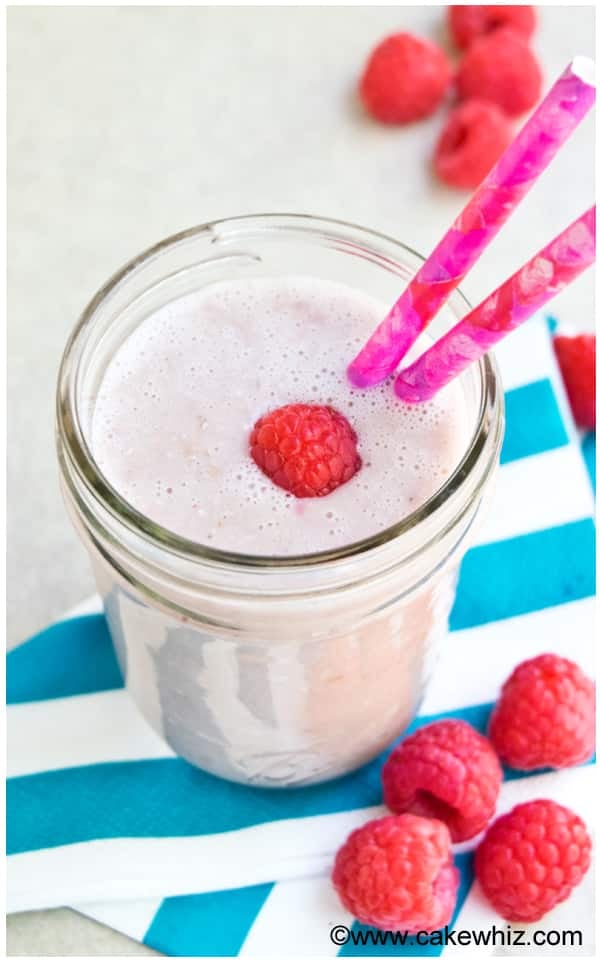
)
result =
(263, 670)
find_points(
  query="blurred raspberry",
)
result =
(475, 136)
(531, 859)
(577, 360)
(397, 874)
(405, 79)
(502, 68)
(545, 716)
(470, 21)
(445, 770)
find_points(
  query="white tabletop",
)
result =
(127, 124)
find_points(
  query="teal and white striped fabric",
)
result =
(103, 817)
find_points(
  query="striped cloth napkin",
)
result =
(103, 817)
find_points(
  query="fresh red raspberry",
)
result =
(405, 79)
(545, 715)
(308, 449)
(445, 770)
(531, 859)
(470, 21)
(397, 874)
(476, 134)
(577, 360)
(501, 67)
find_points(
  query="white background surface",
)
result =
(126, 124)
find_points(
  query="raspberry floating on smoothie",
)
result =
(307, 449)
(397, 874)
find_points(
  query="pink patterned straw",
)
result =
(525, 159)
(560, 262)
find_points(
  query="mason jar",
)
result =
(272, 671)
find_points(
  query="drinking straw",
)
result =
(557, 116)
(555, 266)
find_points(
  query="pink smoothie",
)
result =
(179, 398)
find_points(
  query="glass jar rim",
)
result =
(72, 437)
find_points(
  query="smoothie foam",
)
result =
(179, 398)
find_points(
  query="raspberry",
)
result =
(545, 715)
(501, 67)
(397, 874)
(577, 360)
(405, 79)
(447, 771)
(469, 22)
(531, 859)
(476, 134)
(308, 449)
